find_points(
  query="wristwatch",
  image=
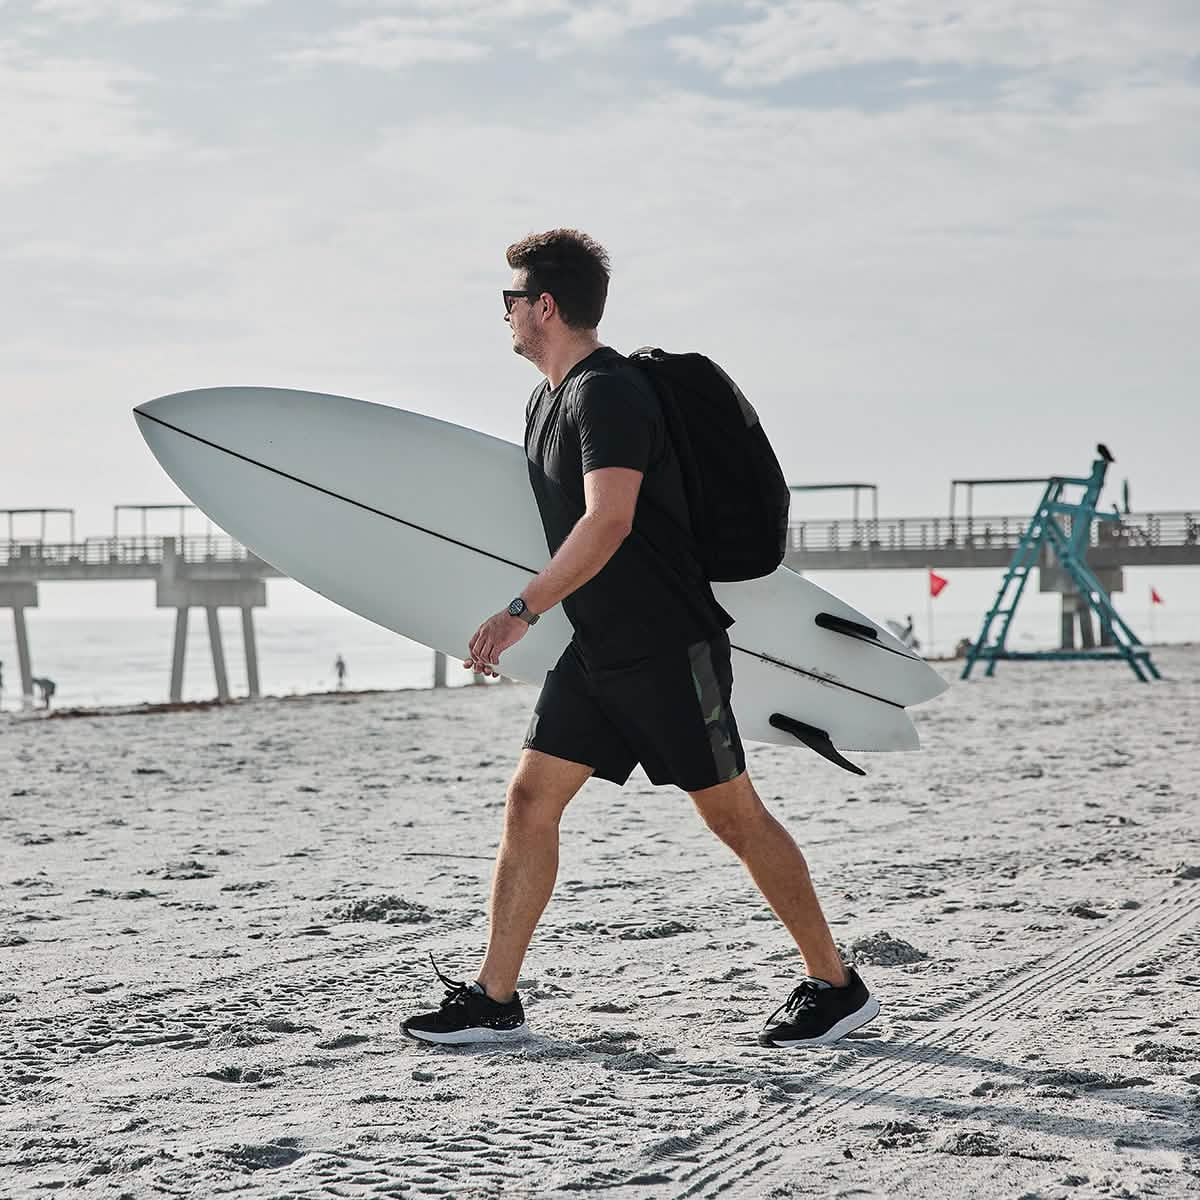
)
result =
(518, 608)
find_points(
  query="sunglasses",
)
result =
(511, 297)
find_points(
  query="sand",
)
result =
(213, 921)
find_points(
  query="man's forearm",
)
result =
(588, 547)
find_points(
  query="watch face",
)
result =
(516, 608)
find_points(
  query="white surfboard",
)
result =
(427, 528)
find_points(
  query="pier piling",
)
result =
(251, 653)
(218, 652)
(19, 597)
(177, 657)
(23, 658)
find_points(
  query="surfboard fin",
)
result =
(842, 625)
(815, 739)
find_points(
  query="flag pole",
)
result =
(929, 607)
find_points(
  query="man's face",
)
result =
(524, 318)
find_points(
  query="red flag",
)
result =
(1155, 598)
(936, 583)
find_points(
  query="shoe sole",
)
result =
(464, 1037)
(848, 1024)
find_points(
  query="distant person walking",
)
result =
(47, 687)
(339, 669)
(647, 676)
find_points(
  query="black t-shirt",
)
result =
(652, 594)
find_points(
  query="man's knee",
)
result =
(542, 787)
(529, 806)
(738, 830)
(733, 812)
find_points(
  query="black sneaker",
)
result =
(816, 1013)
(468, 1014)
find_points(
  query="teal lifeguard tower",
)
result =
(1058, 534)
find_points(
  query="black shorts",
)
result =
(670, 712)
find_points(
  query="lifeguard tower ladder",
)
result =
(1062, 529)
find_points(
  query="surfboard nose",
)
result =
(241, 418)
(165, 418)
(178, 409)
(220, 418)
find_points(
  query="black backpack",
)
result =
(737, 495)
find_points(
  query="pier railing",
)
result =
(938, 534)
(123, 557)
(100, 551)
(1137, 538)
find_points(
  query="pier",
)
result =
(212, 571)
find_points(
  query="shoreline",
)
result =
(151, 708)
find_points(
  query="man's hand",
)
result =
(491, 639)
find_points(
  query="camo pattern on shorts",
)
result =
(718, 717)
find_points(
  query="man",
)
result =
(646, 677)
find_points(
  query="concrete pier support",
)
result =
(177, 657)
(218, 652)
(1077, 616)
(24, 660)
(212, 595)
(1076, 612)
(1087, 631)
(19, 597)
(1067, 624)
(251, 653)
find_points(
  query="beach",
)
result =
(213, 921)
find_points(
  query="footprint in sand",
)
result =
(259, 1076)
(268, 1157)
(188, 869)
(342, 1041)
(664, 929)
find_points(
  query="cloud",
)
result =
(798, 37)
(137, 12)
(921, 237)
(391, 42)
(602, 23)
(481, 14)
(58, 109)
(126, 12)
(448, 31)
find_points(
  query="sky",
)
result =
(928, 238)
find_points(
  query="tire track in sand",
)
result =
(869, 1083)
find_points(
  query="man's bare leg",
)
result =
(738, 817)
(526, 863)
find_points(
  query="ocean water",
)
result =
(105, 643)
(127, 660)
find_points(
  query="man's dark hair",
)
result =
(569, 265)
